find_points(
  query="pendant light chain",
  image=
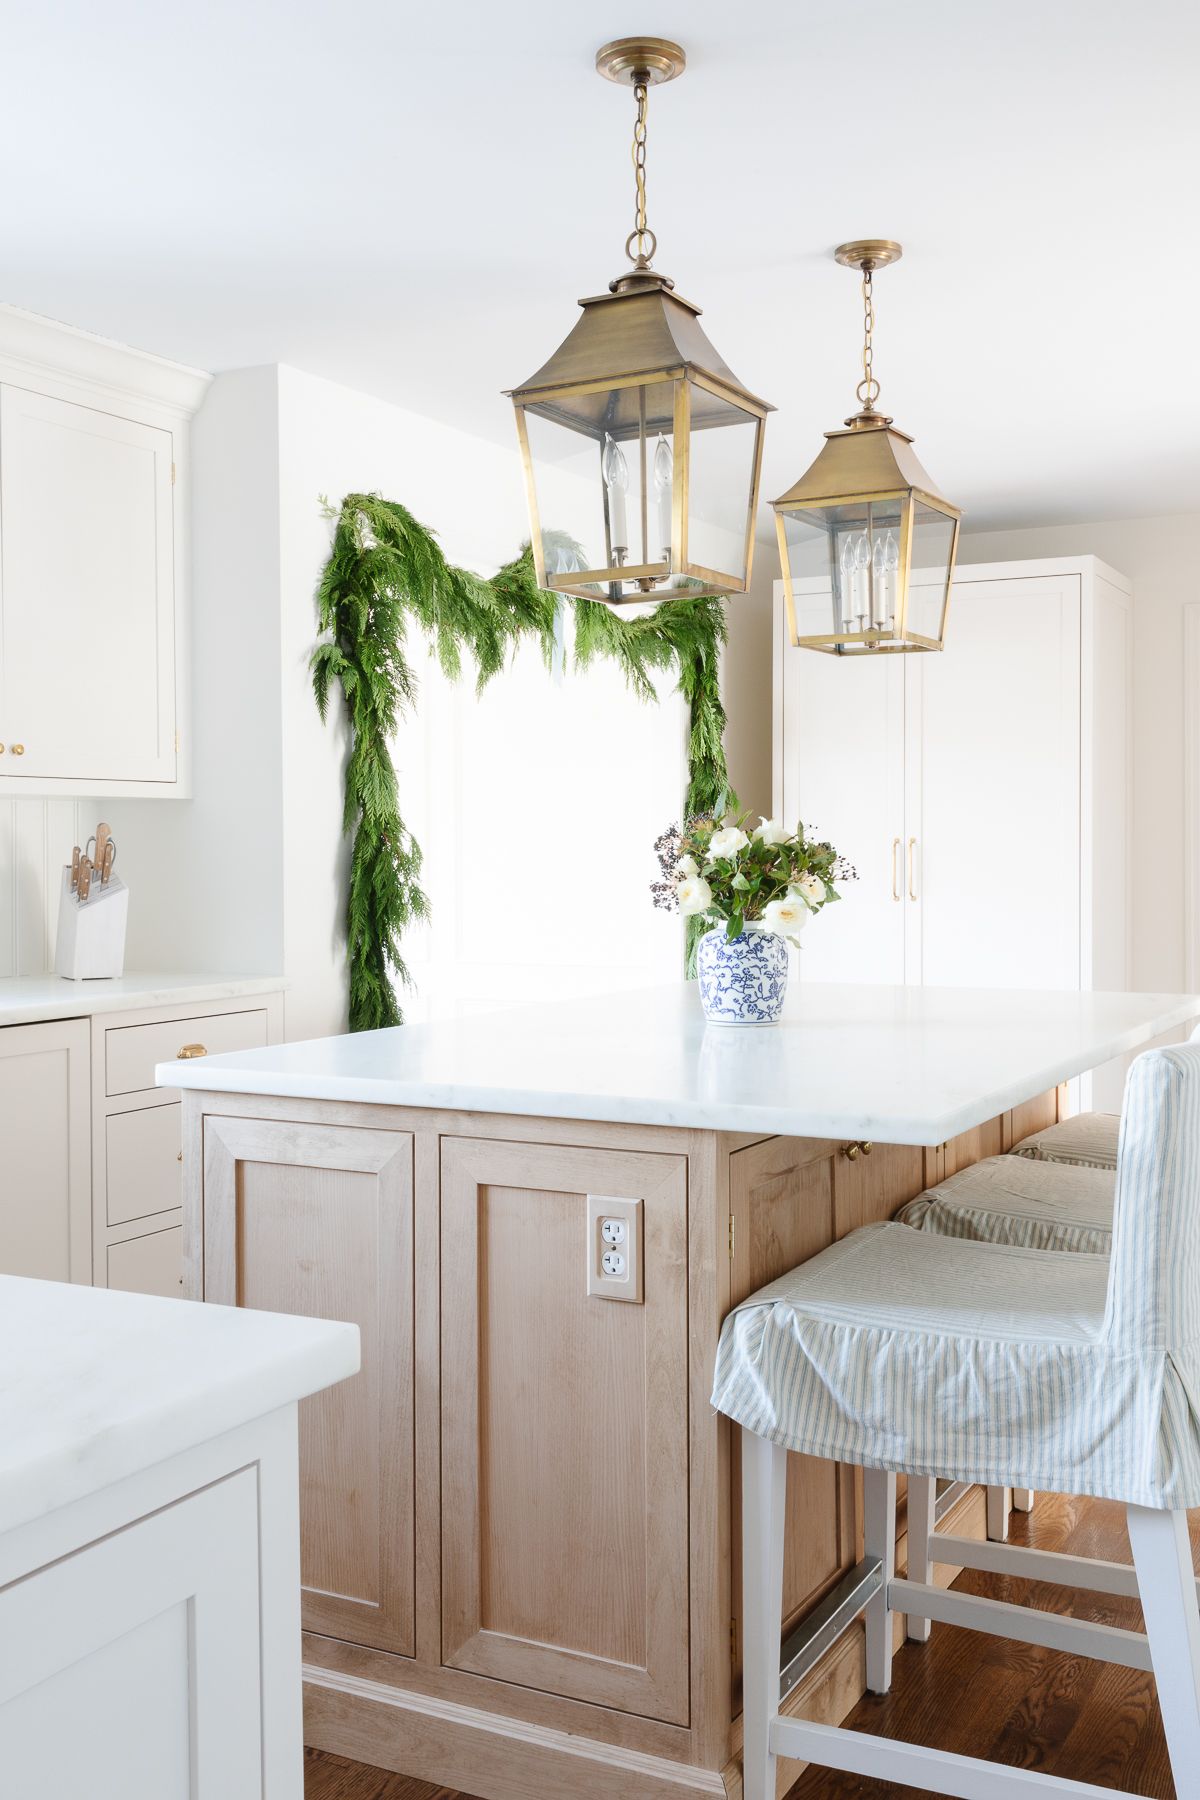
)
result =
(868, 388)
(641, 235)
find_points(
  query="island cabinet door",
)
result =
(318, 1220)
(564, 1424)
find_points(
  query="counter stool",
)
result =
(1019, 1199)
(1088, 1141)
(903, 1350)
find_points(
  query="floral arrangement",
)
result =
(769, 876)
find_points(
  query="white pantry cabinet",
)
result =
(92, 575)
(982, 793)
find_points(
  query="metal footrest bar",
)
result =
(949, 1496)
(805, 1646)
(1028, 1625)
(931, 1771)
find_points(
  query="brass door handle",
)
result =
(912, 882)
(189, 1051)
(896, 894)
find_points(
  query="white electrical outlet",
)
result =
(614, 1247)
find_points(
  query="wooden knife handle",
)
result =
(75, 856)
(85, 877)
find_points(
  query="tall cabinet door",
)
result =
(45, 1152)
(318, 1220)
(564, 1422)
(87, 684)
(992, 846)
(842, 772)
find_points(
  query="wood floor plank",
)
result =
(963, 1691)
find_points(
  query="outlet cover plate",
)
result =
(614, 1287)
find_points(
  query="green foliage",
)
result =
(385, 571)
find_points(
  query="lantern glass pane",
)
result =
(721, 463)
(932, 545)
(603, 474)
(845, 563)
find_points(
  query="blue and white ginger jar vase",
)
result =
(743, 980)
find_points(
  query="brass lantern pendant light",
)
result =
(642, 449)
(867, 542)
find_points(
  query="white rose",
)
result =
(686, 866)
(770, 831)
(695, 895)
(810, 890)
(786, 917)
(727, 842)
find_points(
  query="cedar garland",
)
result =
(386, 570)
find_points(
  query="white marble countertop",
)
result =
(26, 999)
(894, 1064)
(98, 1384)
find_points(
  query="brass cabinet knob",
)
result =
(851, 1151)
(189, 1051)
(18, 749)
(179, 1156)
(1, 749)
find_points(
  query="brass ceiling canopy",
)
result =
(642, 449)
(866, 541)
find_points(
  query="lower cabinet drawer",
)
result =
(142, 1167)
(131, 1051)
(148, 1265)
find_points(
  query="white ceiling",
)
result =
(410, 200)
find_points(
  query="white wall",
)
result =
(1160, 558)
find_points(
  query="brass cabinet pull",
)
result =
(851, 1151)
(18, 749)
(1, 749)
(912, 882)
(896, 894)
(189, 1051)
(179, 1156)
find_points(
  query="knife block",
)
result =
(91, 932)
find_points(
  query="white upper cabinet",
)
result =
(982, 792)
(92, 580)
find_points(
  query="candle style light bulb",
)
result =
(862, 580)
(846, 569)
(664, 481)
(891, 569)
(616, 480)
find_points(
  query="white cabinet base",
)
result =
(137, 1659)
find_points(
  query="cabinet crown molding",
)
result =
(44, 354)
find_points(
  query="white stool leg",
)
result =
(922, 1492)
(764, 1493)
(997, 1515)
(1022, 1499)
(1167, 1588)
(879, 1539)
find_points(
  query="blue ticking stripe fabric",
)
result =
(1020, 1200)
(982, 1362)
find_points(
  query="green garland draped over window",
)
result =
(385, 572)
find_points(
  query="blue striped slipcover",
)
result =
(1018, 1200)
(899, 1349)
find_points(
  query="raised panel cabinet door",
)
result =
(318, 1220)
(132, 1670)
(45, 1151)
(87, 681)
(841, 771)
(564, 1428)
(996, 787)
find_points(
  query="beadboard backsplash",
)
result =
(35, 841)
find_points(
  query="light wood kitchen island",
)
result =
(519, 1520)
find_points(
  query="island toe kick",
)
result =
(520, 1520)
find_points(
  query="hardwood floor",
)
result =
(962, 1691)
